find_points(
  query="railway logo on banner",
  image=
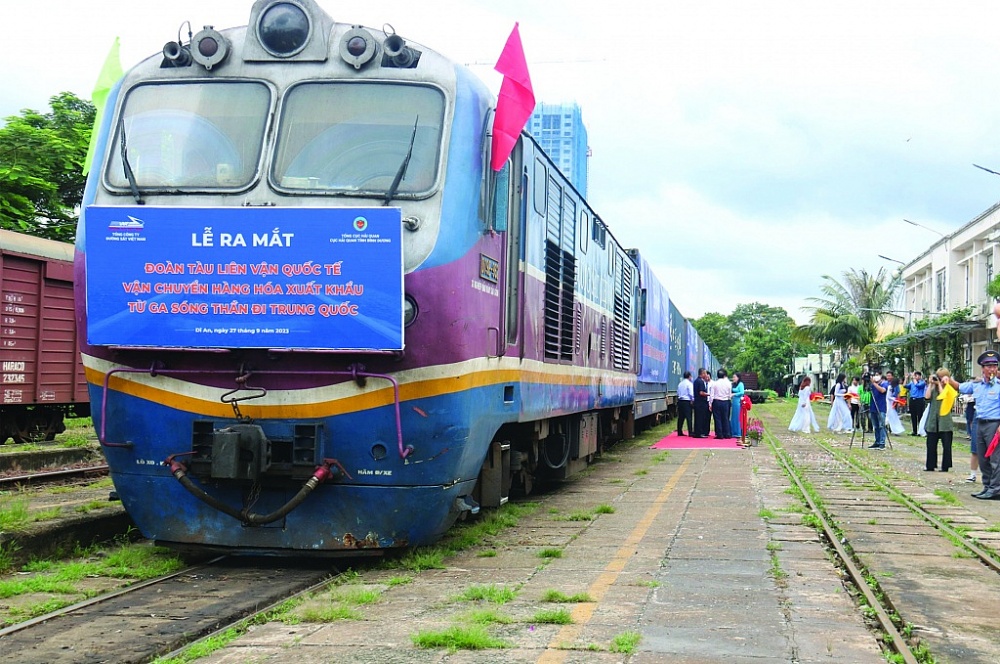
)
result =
(311, 278)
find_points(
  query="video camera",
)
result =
(866, 378)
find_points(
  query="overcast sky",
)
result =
(747, 148)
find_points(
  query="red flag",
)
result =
(516, 101)
(993, 444)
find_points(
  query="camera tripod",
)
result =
(864, 413)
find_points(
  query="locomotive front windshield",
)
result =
(359, 138)
(191, 136)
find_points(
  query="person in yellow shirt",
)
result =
(940, 397)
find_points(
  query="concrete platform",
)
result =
(688, 560)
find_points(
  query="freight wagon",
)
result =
(42, 376)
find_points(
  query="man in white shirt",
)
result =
(685, 404)
(720, 402)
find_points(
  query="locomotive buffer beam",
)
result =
(247, 518)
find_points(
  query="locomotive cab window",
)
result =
(540, 180)
(360, 138)
(190, 136)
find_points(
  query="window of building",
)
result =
(939, 292)
(968, 284)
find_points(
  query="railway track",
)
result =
(66, 475)
(146, 620)
(907, 550)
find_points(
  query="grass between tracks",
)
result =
(16, 513)
(42, 586)
(79, 433)
(885, 471)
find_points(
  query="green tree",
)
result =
(718, 334)
(41, 167)
(746, 317)
(850, 314)
(766, 350)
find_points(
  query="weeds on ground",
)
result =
(421, 558)
(401, 580)
(625, 643)
(7, 552)
(13, 511)
(60, 578)
(329, 613)
(552, 617)
(947, 496)
(474, 532)
(486, 617)
(562, 598)
(89, 507)
(492, 593)
(458, 638)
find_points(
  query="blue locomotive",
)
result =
(315, 320)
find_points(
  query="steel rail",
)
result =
(53, 475)
(988, 558)
(72, 608)
(247, 619)
(857, 577)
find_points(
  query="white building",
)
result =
(952, 274)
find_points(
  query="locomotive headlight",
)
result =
(409, 311)
(283, 29)
(357, 47)
(209, 48)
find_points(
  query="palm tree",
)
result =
(851, 312)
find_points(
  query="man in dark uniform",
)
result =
(987, 393)
(701, 415)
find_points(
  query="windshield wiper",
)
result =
(402, 167)
(129, 175)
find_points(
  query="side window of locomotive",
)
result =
(584, 231)
(355, 138)
(191, 136)
(541, 180)
(600, 233)
(501, 198)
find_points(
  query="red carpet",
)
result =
(675, 442)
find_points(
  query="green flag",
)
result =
(110, 73)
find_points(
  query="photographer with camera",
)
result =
(987, 394)
(879, 387)
(916, 388)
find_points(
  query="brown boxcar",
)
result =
(42, 376)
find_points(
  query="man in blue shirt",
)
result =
(916, 388)
(879, 387)
(987, 393)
